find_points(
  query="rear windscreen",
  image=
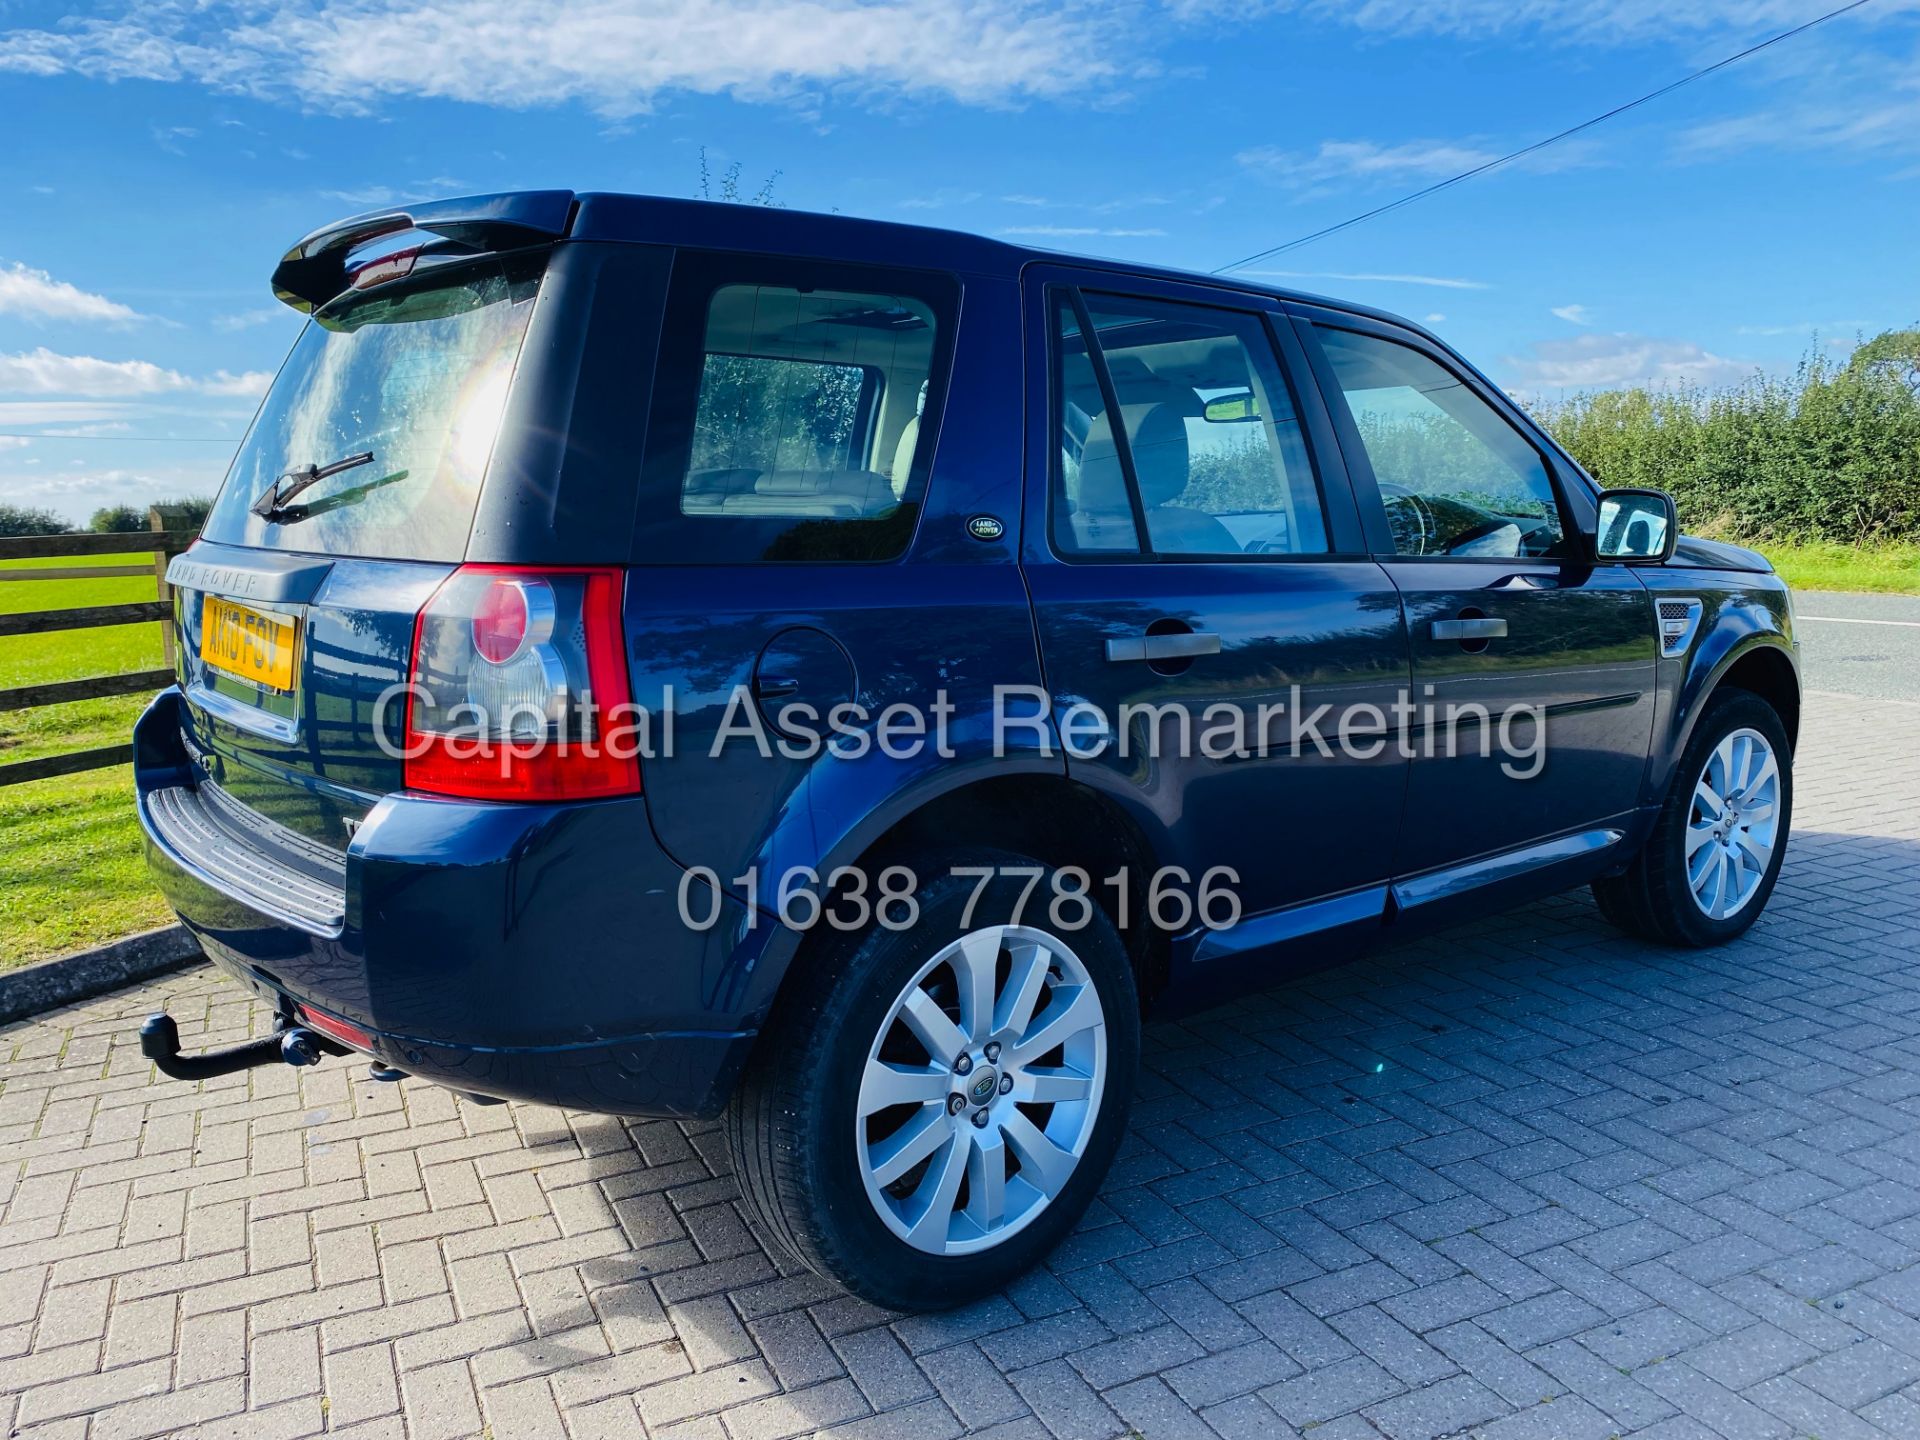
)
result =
(399, 392)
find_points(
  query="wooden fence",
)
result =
(167, 536)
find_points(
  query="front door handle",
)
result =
(1183, 645)
(1483, 628)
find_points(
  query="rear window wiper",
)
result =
(352, 495)
(275, 499)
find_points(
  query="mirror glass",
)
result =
(1634, 525)
(1233, 407)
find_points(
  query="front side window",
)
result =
(793, 431)
(1456, 478)
(1218, 464)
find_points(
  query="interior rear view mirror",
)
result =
(1236, 407)
(1636, 525)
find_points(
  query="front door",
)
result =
(1509, 621)
(1195, 561)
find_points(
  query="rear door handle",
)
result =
(1181, 646)
(1484, 628)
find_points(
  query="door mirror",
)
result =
(1236, 407)
(1636, 525)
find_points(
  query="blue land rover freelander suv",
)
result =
(678, 659)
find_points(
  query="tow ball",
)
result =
(288, 1045)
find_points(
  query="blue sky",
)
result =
(160, 157)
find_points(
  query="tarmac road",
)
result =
(1860, 644)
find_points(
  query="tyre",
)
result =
(1714, 854)
(934, 1106)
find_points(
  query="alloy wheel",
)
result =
(980, 1092)
(1734, 824)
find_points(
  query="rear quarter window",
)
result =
(794, 410)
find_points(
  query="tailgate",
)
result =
(294, 670)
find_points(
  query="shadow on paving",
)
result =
(1524, 1178)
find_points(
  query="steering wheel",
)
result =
(1425, 527)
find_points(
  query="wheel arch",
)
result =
(1766, 671)
(1056, 820)
(1761, 664)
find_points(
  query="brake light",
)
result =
(385, 268)
(519, 687)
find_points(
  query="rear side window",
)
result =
(409, 383)
(1214, 463)
(794, 411)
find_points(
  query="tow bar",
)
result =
(288, 1045)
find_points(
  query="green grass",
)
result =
(74, 871)
(75, 876)
(1884, 569)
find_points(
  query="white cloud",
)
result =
(1833, 121)
(1035, 200)
(77, 491)
(36, 295)
(1435, 318)
(1363, 160)
(102, 430)
(1573, 314)
(247, 319)
(940, 200)
(1565, 21)
(1064, 232)
(617, 56)
(168, 137)
(44, 372)
(371, 197)
(1444, 282)
(1343, 164)
(1838, 92)
(58, 412)
(249, 386)
(1601, 361)
(14, 442)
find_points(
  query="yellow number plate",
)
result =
(255, 645)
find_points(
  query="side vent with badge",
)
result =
(1679, 621)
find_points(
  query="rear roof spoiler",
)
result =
(315, 270)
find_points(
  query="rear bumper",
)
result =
(527, 952)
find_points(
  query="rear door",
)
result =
(819, 436)
(1506, 616)
(1192, 548)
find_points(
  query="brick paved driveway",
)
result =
(1526, 1179)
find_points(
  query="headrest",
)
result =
(1159, 445)
(902, 470)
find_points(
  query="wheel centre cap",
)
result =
(984, 1085)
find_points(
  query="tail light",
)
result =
(519, 688)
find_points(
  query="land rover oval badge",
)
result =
(985, 527)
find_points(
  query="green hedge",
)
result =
(1831, 454)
